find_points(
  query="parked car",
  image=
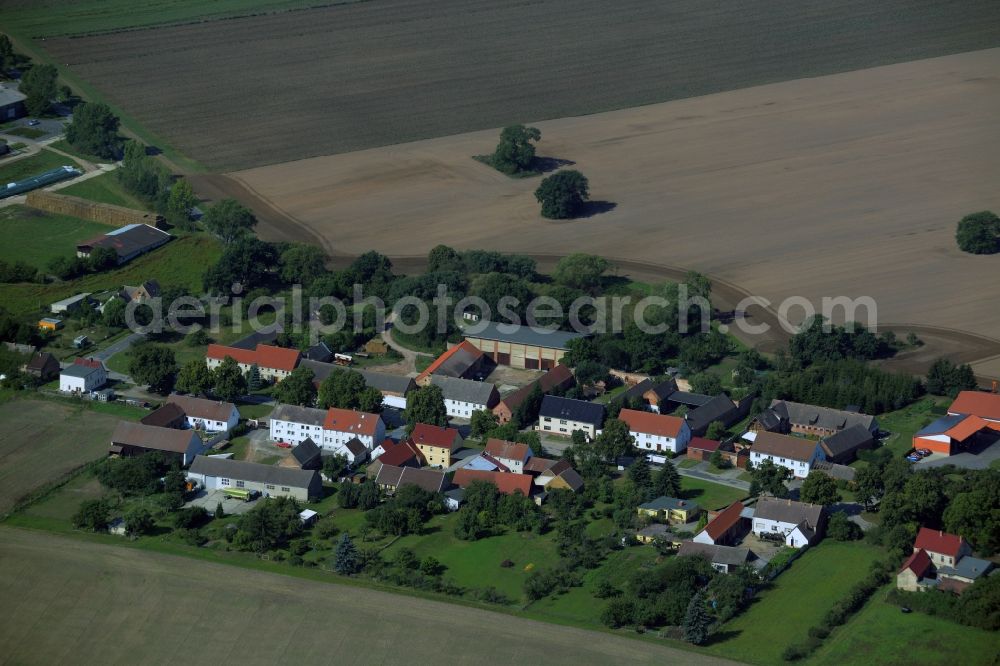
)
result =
(913, 458)
(924, 452)
(33, 122)
(284, 445)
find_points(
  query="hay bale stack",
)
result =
(115, 216)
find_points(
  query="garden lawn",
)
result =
(798, 600)
(37, 238)
(40, 162)
(579, 605)
(882, 634)
(904, 423)
(476, 564)
(181, 262)
(709, 495)
(104, 189)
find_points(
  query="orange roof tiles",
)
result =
(506, 482)
(265, 356)
(724, 521)
(983, 405)
(966, 428)
(650, 423)
(432, 435)
(501, 448)
(464, 346)
(348, 420)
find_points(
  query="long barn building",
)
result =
(521, 346)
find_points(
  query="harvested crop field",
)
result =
(268, 89)
(42, 441)
(850, 184)
(65, 597)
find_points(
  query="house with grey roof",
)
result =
(268, 480)
(133, 439)
(561, 416)
(294, 424)
(786, 416)
(725, 559)
(394, 388)
(842, 446)
(128, 242)
(462, 397)
(800, 524)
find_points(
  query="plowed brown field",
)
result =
(268, 89)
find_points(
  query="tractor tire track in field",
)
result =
(274, 224)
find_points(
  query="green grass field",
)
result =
(181, 262)
(104, 189)
(44, 440)
(67, 147)
(799, 599)
(36, 237)
(881, 634)
(27, 132)
(47, 18)
(710, 495)
(904, 423)
(26, 167)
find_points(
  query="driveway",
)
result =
(118, 346)
(698, 473)
(980, 460)
(209, 499)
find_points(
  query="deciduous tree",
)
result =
(818, 488)
(515, 153)
(562, 194)
(153, 365)
(94, 130)
(229, 382)
(229, 220)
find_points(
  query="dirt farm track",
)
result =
(64, 597)
(849, 184)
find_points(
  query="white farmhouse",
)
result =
(207, 415)
(801, 524)
(462, 397)
(84, 376)
(333, 430)
(794, 453)
(657, 432)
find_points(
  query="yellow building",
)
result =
(436, 444)
(671, 510)
(50, 324)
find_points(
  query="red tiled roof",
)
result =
(501, 448)
(88, 363)
(966, 428)
(465, 346)
(265, 356)
(397, 454)
(983, 405)
(432, 435)
(704, 444)
(919, 563)
(348, 420)
(935, 541)
(724, 521)
(506, 482)
(650, 423)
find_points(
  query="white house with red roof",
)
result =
(273, 363)
(726, 528)
(943, 548)
(656, 432)
(332, 429)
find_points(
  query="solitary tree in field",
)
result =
(94, 130)
(515, 152)
(562, 194)
(979, 233)
(229, 220)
